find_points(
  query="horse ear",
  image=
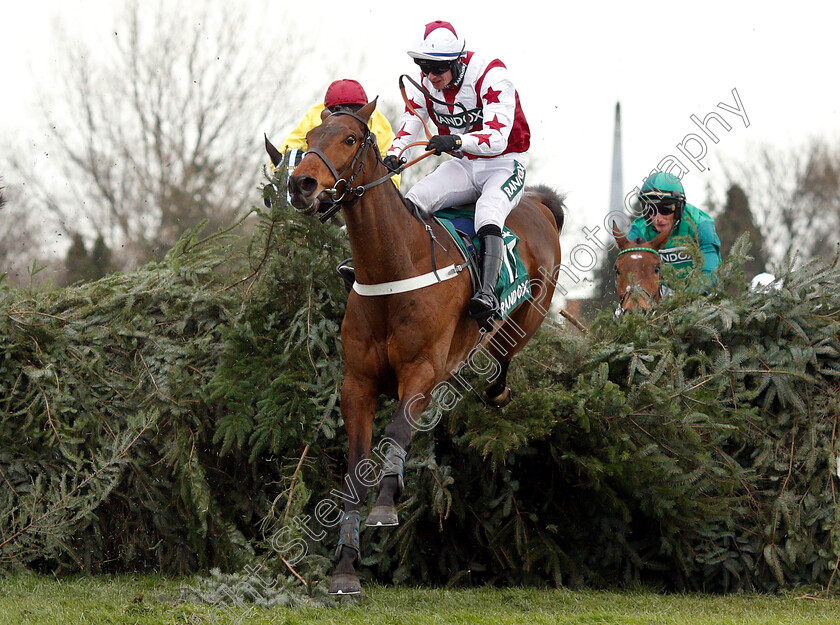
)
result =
(325, 113)
(367, 110)
(620, 238)
(660, 239)
(273, 153)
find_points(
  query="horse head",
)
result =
(637, 269)
(338, 150)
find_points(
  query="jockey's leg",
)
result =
(502, 180)
(450, 184)
(484, 304)
(347, 273)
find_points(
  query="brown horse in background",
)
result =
(637, 270)
(407, 343)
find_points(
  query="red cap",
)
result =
(344, 92)
(439, 24)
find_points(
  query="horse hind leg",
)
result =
(511, 336)
(498, 393)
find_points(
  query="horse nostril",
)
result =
(304, 185)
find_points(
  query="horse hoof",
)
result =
(382, 516)
(499, 401)
(345, 584)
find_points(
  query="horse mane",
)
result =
(423, 220)
(554, 200)
(2, 197)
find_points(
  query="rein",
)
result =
(355, 167)
(413, 111)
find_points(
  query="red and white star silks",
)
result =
(490, 121)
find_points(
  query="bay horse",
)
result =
(406, 330)
(637, 270)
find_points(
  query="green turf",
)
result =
(125, 600)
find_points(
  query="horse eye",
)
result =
(656, 269)
(616, 270)
(351, 140)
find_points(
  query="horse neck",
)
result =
(386, 241)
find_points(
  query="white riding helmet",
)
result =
(440, 43)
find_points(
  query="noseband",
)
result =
(635, 287)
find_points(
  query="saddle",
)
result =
(514, 286)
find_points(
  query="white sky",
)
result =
(664, 61)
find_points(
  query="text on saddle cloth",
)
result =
(514, 286)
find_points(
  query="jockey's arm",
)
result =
(498, 97)
(709, 246)
(297, 138)
(381, 128)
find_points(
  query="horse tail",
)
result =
(554, 201)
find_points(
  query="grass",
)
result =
(141, 600)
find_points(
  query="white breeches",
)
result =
(495, 185)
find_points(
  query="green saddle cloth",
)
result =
(514, 286)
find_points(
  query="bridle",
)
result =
(348, 193)
(635, 288)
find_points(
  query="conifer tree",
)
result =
(100, 257)
(78, 265)
(735, 220)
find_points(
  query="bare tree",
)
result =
(18, 238)
(794, 195)
(163, 129)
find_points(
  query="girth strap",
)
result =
(408, 284)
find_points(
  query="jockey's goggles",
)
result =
(433, 67)
(662, 206)
(344, 107)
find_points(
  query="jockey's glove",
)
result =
(393, 163)
(443, 143)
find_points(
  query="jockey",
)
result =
(475, 109)
(664, 207)
(346, 95)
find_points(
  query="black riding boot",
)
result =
(347, 273)
(484, 303)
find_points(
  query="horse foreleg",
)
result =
(415, 396)
(357, 408)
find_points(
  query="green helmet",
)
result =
(663, 188)
(663, 184)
